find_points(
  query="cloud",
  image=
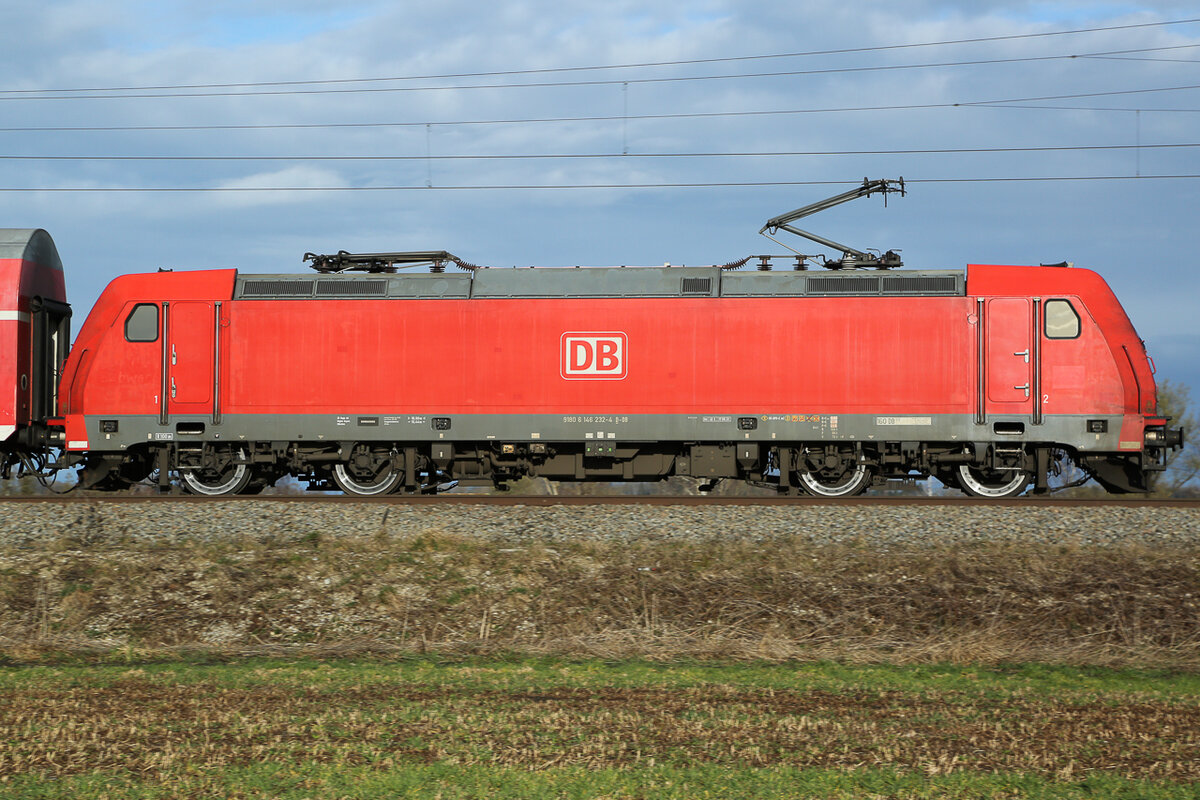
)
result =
(246, 191)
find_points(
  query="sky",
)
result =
(244, 134)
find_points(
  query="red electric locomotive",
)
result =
(377, 381)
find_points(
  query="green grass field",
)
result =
(545, 728)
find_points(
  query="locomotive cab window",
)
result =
(142, 323)
(1061, 320)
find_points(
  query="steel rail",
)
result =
(614, 500)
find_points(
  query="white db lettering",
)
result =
(593, 355)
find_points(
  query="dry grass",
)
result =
(1115, 606)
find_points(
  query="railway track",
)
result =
(488, 521)
(611, 500)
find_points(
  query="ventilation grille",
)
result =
(696, 286)
(277, 289)
(918, 284)
(353, 288)
(891, 285)
(824, 285)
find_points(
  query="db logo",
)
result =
(593, 356)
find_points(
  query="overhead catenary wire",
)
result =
(1013, 102)
(1156, 60)
(614, 155)
(578, 83)
(636, 65)
(578, 186)
(1137, 110)
(429, 157)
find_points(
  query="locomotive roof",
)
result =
(603, 282)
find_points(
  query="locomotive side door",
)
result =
(189, 357)
(1010, 356)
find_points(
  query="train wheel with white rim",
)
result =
(853, 481)
(368, 473)
(994, 484)
(227, 477)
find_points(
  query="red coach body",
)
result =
(32, 297)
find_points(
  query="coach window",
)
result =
(1061, 320)
(142, 323)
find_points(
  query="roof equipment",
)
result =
(851, 258)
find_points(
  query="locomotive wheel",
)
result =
(993, 484)
(384, 483)
(231, 479)
(368, 474)
(851, 482)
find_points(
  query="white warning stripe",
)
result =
(14, 316)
